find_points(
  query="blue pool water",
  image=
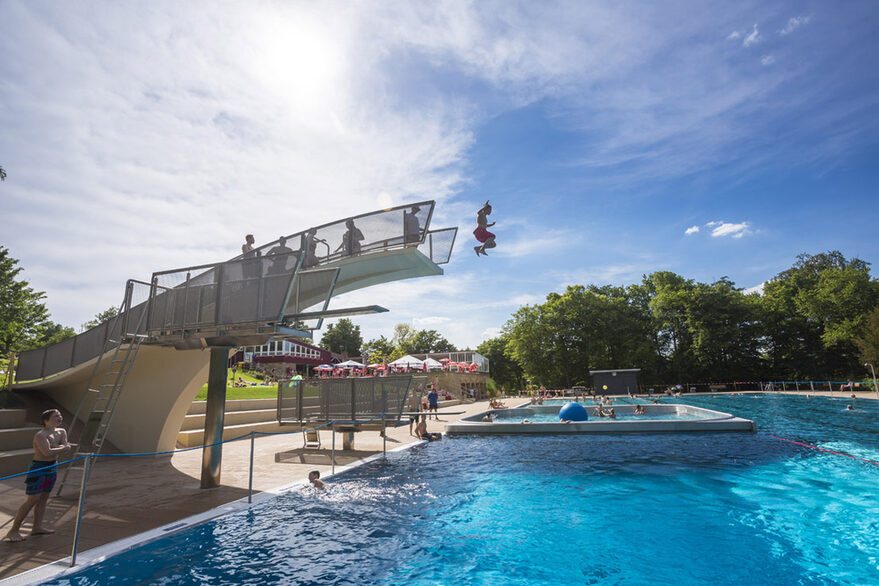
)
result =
(717, 508)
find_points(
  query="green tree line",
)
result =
(344, 337)
(818, 319)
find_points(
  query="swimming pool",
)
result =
(622, 416)
(535, 419)
(629, 509)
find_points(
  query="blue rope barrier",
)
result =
(55, 465)
(181, 450)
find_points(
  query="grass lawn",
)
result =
(258, 392)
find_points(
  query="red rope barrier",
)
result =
(824, 450)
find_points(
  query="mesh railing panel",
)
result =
(347, 399)
(90, 343)
(438, 244)
(59, 356)
(30, 365)
(311, 287)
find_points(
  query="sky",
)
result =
(613, 139)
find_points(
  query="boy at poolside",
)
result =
(49, 443)
(433, 402)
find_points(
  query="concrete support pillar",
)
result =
(347, 440)
(212, 456)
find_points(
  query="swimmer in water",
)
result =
(314, 479)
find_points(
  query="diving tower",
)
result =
(143, 368)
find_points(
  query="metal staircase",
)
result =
(123, 341)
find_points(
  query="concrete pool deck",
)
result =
(127, 496)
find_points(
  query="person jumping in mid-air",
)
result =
(481, 232)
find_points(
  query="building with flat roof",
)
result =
(618, 381)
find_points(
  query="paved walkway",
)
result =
(129, 495)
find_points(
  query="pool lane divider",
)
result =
(873, 462)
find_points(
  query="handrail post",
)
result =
(250, 479)
(334, 448)
(82, 486)
(384, 436)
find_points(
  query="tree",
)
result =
(402, 339)
(868, 341)
(725, 330)
(504, 369)
(22, 312)
(558, 342)
(342, 337)
(100, 318)
(814, 313)
(427, 341)
(378, 350)
(50, 333)
(669, 295)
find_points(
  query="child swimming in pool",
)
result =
(314, 479)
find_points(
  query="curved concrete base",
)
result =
(161, 386)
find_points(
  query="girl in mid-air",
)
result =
(481, 232)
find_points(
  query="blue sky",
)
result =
(613, 140)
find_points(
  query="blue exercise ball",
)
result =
(573, 412)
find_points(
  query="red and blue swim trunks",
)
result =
(40, 477)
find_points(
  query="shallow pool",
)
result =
(501, 417)
(573, 509)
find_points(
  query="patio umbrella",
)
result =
(350, 364)
(408, 361)
(324, 367)
(432, 364)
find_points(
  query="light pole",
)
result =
(875, 386)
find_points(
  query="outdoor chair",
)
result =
(311, 438)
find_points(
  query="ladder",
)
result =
(122, 352)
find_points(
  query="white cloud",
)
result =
(526, 245)
(758, 289)
(752, 38)
(767, 60)
(794, 23)
(734, 35)
(426, 322)
(728, 229)
(489, 333)
(691, 230)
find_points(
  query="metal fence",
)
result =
(350, 399)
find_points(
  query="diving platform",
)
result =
(280, 289)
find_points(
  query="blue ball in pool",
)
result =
(573, 412)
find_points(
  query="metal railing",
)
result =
(272, 281)
(353, 399)
(43, 362)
